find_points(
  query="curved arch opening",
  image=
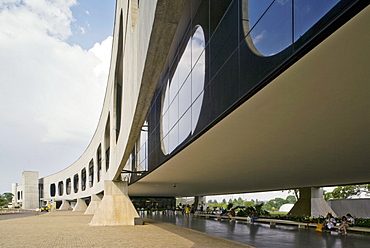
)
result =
(60, 188)
(52, 190)
(75, 183)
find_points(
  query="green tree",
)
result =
(344, 192)
(291, 199)
(249, 204)
(229, 206)
(8, 196)
(3, 201)
(295, 192)
(274, 204)
(327, 195)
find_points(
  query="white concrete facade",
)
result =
(134, 52)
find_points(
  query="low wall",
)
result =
(359, 208)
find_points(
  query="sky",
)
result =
(54, 66)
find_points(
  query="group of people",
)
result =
(346, 221)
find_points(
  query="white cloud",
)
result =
(283, 2)
(51, 93)
(259, 37)
(103, 52)
(82, 30)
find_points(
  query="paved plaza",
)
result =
(71, 229)
(262, 235)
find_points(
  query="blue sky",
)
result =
(54, 65)
(274, 32)
(94, 22)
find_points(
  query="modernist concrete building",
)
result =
(214, 97)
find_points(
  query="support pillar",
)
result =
(116, 208)
(30, 180)
(94, 204)
(80, 206)
(14, 192)
(311, 203)
(65, 206)
(198, 201)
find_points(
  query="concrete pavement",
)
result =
(71, 229)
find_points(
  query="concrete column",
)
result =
(311, 203)
(199, 200)
(80, 206)
(65, 206)
(30, 181)
(116, 208)
(14, 192)
(94, 204)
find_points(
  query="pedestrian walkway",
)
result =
(264, 235)
(71, 229)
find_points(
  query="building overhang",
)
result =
(308, 127)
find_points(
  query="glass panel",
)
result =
(165, 143)
(195, 112)
(83, 179)
(197, 77)
(173, 88)
(174, 138)
(68, 186)
(197, 45)
(91, 173)
(308, 12)
(165, 127)
(184, 97)
(273, 33)
(185, 126)
(52, 189)
(178, 94)
(184, 67)
(166, 100)
(173, 112)
(60, 188)
(75, 183)
(253, 10)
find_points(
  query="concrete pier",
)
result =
(115, 208)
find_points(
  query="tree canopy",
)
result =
(5, 198)
(271, 205)
(276, 203)
(345, 192)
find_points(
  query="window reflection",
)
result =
(143, 149)
(179, 114)
(269, 29)
(308, 12)
(268, 25)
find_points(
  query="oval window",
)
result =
(183, 96)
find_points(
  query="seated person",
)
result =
(343, 225)
(231, 214)
(350, 220)
(329, 222)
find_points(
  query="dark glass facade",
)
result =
(153, 203)
(246, 44)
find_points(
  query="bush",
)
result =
(359, 222)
